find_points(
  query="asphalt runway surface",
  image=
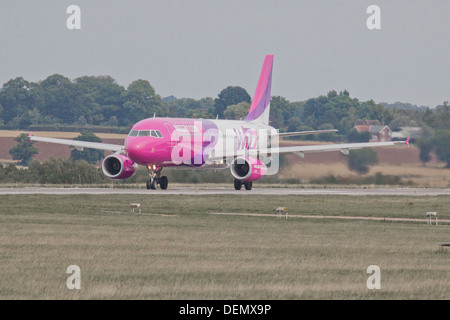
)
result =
(230, 190)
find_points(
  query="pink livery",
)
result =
(248, 147)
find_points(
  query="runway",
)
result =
(231, 191)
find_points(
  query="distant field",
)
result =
(49, 150)
(396, 160)
(176, 249)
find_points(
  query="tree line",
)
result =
(101, 101)
(91, 101)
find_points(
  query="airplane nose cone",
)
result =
(137, 152)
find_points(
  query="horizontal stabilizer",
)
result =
(303, 133)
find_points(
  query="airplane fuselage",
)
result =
(168, 142)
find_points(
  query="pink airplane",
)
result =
(248, 147)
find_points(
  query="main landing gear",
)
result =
(155, 178)
(238, 184)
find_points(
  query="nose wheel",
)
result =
(155, 178)
(151, 184)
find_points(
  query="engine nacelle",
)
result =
(118, 166)
(248, 169)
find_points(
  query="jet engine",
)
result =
(247, 169)
(118, 166)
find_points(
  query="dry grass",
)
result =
(429, 176)
(189, 254)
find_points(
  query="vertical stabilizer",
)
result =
(260, 107)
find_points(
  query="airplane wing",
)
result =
(302, 133)
(301, 150)
(80, 144)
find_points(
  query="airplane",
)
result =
(248, 147)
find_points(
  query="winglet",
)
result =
(30, 135)
(407, 141)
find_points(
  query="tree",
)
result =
(294, 124)
(1, 120)
(59, 98)
(237, 111)
(355, 136)
(30, 117)
(278, 107)
(441, 144)
(428, 117)
(230, 96)
(113, 122)
(360, 160)
(106, 97)
(326, 136)
(24, 150)
(90, 155)
(16, 98)
(425, 147)
(141, 101)
(190, 108)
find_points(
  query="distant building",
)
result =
(405, 132)
(378, 132)
(364, 125)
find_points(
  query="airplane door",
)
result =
(173, 134)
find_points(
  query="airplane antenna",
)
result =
(217, 117)
(154, 114)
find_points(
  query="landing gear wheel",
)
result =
(248, 185)
(163, 183)
(237, 184)
(153, 183)
(154, 177)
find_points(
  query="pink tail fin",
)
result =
(260, 107)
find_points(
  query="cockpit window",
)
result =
(144, 133)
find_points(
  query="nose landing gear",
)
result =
(155, 178)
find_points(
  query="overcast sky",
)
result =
(195, 48)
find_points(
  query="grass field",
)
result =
(176, 249)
